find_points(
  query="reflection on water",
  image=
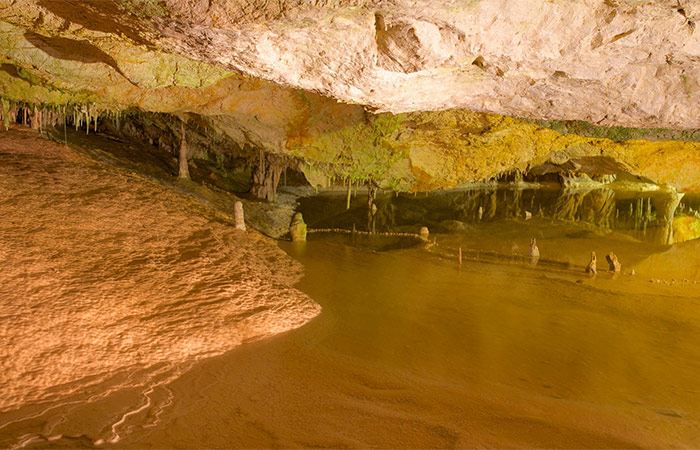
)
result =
(647, 216)
(111, 287)
(413, 352)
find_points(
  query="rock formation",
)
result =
(534, 252)
(238, 216)
(592, 266)
(614, 264)
(184, 171)
(403, 95)
(297, 229)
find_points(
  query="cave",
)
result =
(349, 224)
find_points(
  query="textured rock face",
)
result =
(608, 62)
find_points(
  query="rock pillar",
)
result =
(238, 218)
(298, 228)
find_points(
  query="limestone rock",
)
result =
(592, 264)
(238, 218)
(298, 228)
(629, 63)
(424, 232)
(614, 264)
(446, 65)
(534, 252)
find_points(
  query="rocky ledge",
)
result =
(400, 94)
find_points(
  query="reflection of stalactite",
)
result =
(567, 205)
(647, 212)
(514, 207)
(492, 201)
(385, 215)
(371, 209)
(599, 208)
(666, 209)
(267, 176)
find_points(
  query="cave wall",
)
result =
(71, 53)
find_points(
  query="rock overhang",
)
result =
(304, 80)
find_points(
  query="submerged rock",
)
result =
(424, 233)
(534, 252)
(615, 265)
(298, 228)
(592, 267)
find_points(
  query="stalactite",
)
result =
(371, 207)
(267, 176)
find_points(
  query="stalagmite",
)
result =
(347, 202)
(424, 233)
(238, 217)
(65, 127)
(615, 265)
(298, 228)
(591, 267)
(35, 118)
(534, 252)
(5, 114)
(184, 166)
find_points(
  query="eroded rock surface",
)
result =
(608, 62)
(307, 81)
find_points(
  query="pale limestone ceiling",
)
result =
(631, 63)
(624, 62)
